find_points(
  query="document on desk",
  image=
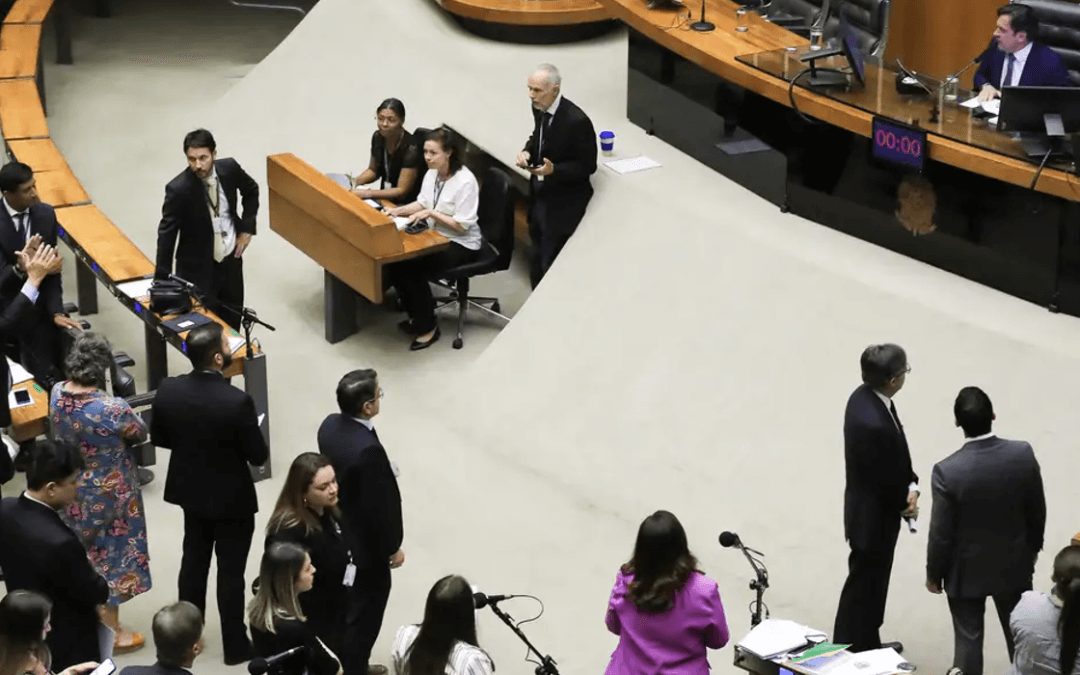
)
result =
(777, 637)
(993, 106)
(235, 342)
(18, 373)
(341, 179)
(631, 164)
(139, 288)
(401, 222)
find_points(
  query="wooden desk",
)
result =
(60, 188)
(19, 50)
(41, 154)
(29, 11)
(350, 240)
(30, 421)
(35, 12)
(716, 52)
(21, 114)
(532, 21)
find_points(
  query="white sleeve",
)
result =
(427, 190)
(467, 201)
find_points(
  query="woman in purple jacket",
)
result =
(665, 611)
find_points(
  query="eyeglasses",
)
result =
(905, 371)
(377, 396)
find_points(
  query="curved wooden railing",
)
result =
(103, 251)
(529, 12)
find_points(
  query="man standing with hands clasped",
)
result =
(986, 528)
(881, 488)
(371, 503)
(560, 155)
(201, 224)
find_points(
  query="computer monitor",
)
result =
(1025, 109)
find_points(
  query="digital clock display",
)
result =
(898, 144)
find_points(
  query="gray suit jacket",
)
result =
(988, 519)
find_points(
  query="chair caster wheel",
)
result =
(496, 308)
(457, 343)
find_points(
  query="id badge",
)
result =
(350, 575)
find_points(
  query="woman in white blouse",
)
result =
(448, 201)
(445, 644)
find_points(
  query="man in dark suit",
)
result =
(986, 527)
(560, 155)
(1015, 59)
(41, 553)
(371, 504)
(200, 211)
(178, 637)
(213, 432)
(881, 487)
(26, 223)
(14, 318)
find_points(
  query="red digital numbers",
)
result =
(903, 144)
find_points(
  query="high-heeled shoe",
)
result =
(417, 345)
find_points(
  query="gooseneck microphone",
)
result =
(729, 539)
(259, 665)
(483, 601)
(702, 26)
(760, 583)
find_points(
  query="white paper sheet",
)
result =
(993, 106)
(772, 637)
(18, 373)
(235, 342)
(631, 164)
(137, 288)
(402, 222)
(339, 178)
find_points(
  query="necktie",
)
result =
(21, 225)
(1009, 61)
(212, 193)
(896, 418)
(545, 124)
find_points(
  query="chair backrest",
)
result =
(1059, 29)
(868, 20)
(496, 215)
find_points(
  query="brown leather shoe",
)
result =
(377, 669)
(125, 643)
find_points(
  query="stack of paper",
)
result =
(777, 637)
(631, 164)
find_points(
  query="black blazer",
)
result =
(290, 633)
(369, 492)
(570, 144)
(185, 215)
(213, 432)
(16, 315)
(156, 669)
(40, 553)
(42, 223)
(988, 519)
(878, 470)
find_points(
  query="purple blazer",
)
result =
(672, 642)
(1044, 68)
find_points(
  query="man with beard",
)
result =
(213, 432)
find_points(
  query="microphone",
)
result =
(259, 665)
(483, 601)
(183, 282)
(702, 26)
(729, 539)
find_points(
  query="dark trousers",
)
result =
(967, 617)
(549, 235)
(367, 604)
(411, 279)
(862, 602)
(231, 540)
(227, 283)
(42, 348)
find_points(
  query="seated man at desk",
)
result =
(397, 158)
(1013, 58)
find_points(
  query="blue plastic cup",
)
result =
(607, 142)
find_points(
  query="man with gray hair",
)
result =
(178, 632)
(560, 155)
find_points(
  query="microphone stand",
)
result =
(702, 26)
(547, 664)
(758, 585)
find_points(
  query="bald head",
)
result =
(544, 86)
(178, 634)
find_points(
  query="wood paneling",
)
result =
(530, 12)
(940, 38)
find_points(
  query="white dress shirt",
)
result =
(28, 289)
(223, 224)
(28, 496)
(1018, 66)
(913, 486)
(367, 423)
(980, 438)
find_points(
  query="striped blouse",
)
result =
(464, 659)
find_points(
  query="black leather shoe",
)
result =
(895, 645)
(242, 653)
(417, 345)
(408, 327)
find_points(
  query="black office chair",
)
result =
(496, 220)
(868, 19)
(1059, 29)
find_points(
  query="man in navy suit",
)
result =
(178, 632)
(880, 489)
(371, 503)
(1013, 59)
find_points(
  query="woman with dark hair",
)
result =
(1046, 627)
(664, 610)
(445, 643)
(24, 623)
(307, 514)
(396, 158)
(108, 514)
(448, 202)
(277, 622)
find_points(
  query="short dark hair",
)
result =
(200, 138)
(974, 412)
(89, 359)
(394, 105)
(52, 462)
(1022, 19)
(881, 363)
(177, 627)
(451, 143)
(13, 175)
(203, 343)
(355, 389)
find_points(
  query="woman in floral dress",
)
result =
(108, 515)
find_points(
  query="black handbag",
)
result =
(169, 297)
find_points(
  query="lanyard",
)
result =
(337, 531)
(439, 185)
(386, 167)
